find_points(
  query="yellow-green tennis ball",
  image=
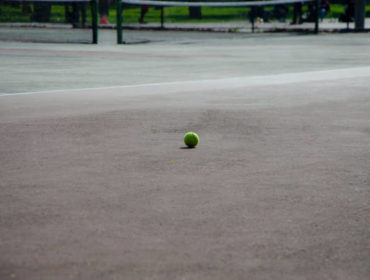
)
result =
(191, 139)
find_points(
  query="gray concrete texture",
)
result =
(96, 182)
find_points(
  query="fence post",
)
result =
(119, 21)
(162, 17)
(94, 18)
(318, 8)
(360, 14)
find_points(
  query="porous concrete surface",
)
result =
(97, 184)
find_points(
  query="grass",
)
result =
(13, 13)
(181, 14)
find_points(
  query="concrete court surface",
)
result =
(97, 183)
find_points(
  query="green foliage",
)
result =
(13, 13)
(181, 14)
(16, 12)
(131, 14)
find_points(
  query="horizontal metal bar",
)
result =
(212, 4)
(50, 1)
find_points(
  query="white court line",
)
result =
(263, 80)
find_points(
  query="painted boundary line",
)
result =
(234, 82)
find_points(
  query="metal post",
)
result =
(252, 11)
(162, 17)
(94, 19)
(360, 14)
(318, 7)
(348, 16)
(119, 21)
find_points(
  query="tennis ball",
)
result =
(191, 139)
